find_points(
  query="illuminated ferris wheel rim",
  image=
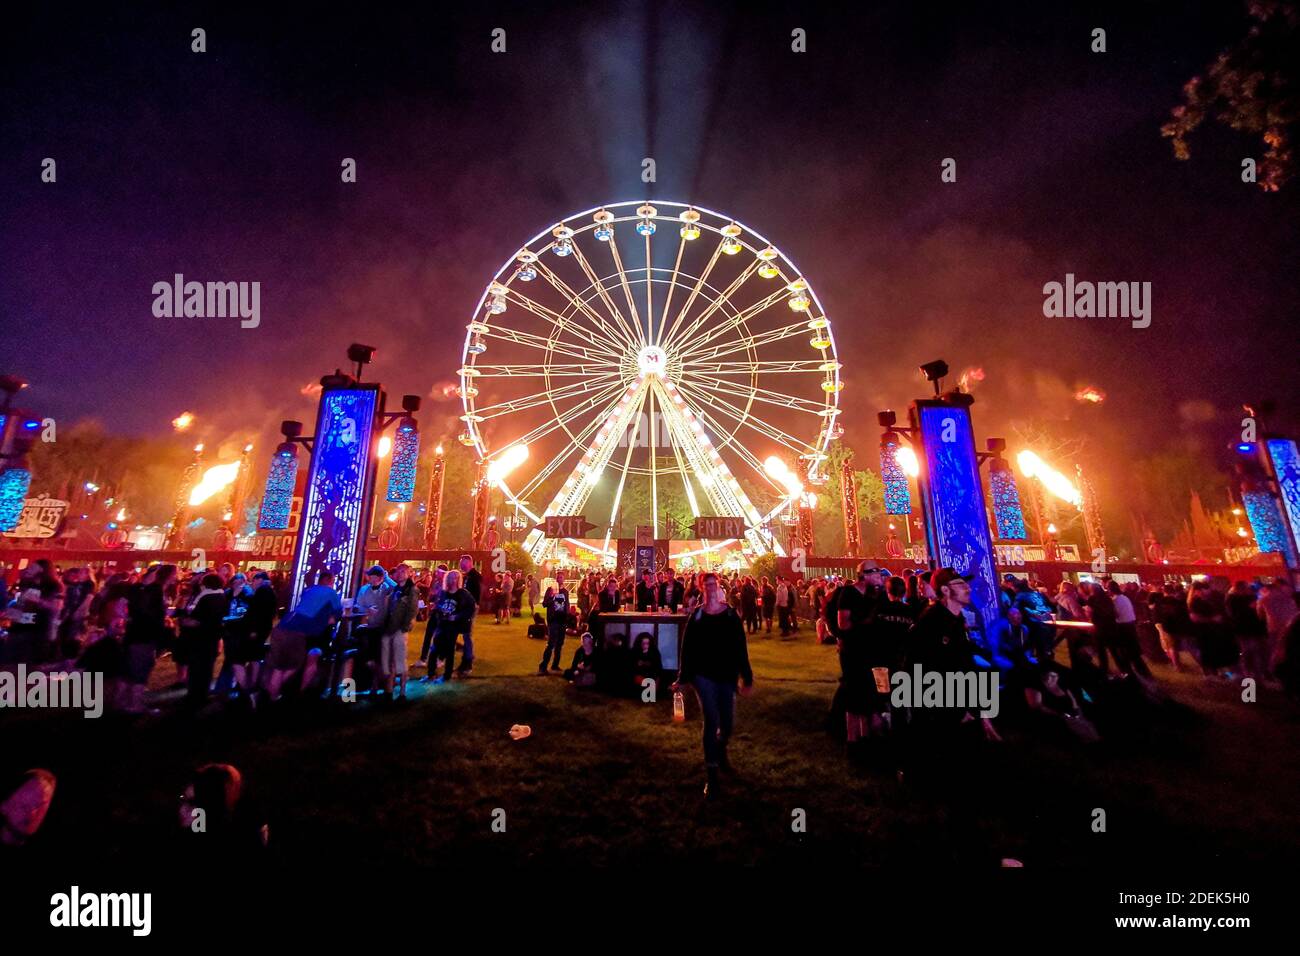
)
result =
(629, 345)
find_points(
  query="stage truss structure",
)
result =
(651, 317)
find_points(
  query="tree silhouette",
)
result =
(1252, 88)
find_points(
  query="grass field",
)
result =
(1204, 778)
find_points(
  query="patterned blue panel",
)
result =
(277, 501)
(1265, 516)
(1006, 502)
(406, 454)
(1286, 465)
(898, 499)
(332, 534)
(954, 496)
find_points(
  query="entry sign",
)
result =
(565, 526)
(719, 528)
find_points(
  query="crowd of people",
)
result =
(121, 624)
(1060, 658)
(883, 624)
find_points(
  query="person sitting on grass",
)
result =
(646, 663)
(614, 675)
(582, 672)
(537, 630)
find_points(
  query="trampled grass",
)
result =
(614, 781)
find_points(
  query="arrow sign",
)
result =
(565, 526)
(719, 528)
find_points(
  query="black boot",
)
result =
(711, 787)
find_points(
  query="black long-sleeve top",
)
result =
(714, 647)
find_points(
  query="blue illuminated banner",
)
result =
(1286, 465)
(340, 482)
(957, 524)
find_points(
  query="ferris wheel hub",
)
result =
(652, 360)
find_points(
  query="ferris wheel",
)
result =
(661, 344)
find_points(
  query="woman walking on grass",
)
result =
(713, 658)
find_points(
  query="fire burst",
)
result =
(214, 479)
(183, 421)
(969, 378)
(1090, 394)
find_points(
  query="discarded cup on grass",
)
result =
(520, 731)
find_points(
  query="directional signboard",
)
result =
(719, 528)
(565, 526)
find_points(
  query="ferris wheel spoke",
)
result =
(630, 335)
(558, 370)
(677, 446)
(695, 291)
(602, 382)
(597, 321)
(759, 394)
(720, 486)
(769, 367)
(757, 340)
(654, 470)
(581, 408)
(622, 478)
(572, 350)
(627, 290)
(745, 455)
(575, 443)
(724, 298)
(744, 419)
(736, 321)
(649, 295)
(672, 286)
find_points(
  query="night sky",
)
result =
(225, 166)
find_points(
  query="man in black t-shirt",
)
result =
(647, 594)
(38, 601)
(855, 608)
(671, 592)
(557, 619)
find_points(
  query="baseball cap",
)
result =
(944, 576)
(377, 570)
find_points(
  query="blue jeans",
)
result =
(718, 702)
(554, 644)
